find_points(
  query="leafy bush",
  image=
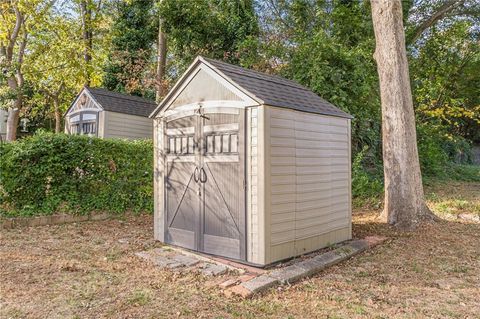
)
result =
(49, 173)
(438, 150)
(458, 149)
(433, 158)
(366, 186)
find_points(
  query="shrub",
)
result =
(438, 150)
(49, 173)
(366, 186)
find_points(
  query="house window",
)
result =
(83, 123)
(74, 128)
(89, 128)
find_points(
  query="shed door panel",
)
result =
(182, 200)
(182, 204)
(223, 231)
(205, 195)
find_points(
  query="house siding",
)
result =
(119, 125)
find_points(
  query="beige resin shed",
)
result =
(250, 166)
(106, 114)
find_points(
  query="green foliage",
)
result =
(462, 172)
(226, 30)
(47, 173)
(432, 157)
(438, 150)
(446, 81)
(133, 37)
(365, 185)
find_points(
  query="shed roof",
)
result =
(271, 89)
(122, 103)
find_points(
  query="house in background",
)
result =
(105, 114)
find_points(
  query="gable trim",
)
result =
(84, 90)
(248, 99)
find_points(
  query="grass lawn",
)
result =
(89, 270)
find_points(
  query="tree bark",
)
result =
(12, 123)
(404, 199)
(14, 111)
(87, 36)
(15, 82)
(58, 115)
(161, 61)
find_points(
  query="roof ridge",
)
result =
(104, 92)
(272, 76)
(298, 86)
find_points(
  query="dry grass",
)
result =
(83, 271)
(454, 198)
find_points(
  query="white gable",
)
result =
(83, 102)
(203, 85)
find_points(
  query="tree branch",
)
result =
(13, 37)
(21, 48)
(439, 14)
(21, 53)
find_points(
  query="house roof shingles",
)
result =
(122, 103)
(277, 91)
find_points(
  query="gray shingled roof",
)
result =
(122, 103)
(277, 91)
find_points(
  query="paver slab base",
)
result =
(246, 284)
(305, 268)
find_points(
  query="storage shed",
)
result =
(250, 166)
(105, 114)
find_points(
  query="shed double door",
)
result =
(205, 182)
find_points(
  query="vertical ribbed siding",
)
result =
(310, 181)
(252, 144)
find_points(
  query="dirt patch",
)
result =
(89, 270)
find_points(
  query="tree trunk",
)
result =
(87, 36)
(12, 123)
(404, 199)
(58, 115)
(13, 112)
(161, 61)
(15, 82)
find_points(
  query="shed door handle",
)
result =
(203, 175)
(195, 175)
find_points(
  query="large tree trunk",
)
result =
(404, 200)
(161, 62)
(58, 115)
(12, 123)
(13, 112)
(86, 10)
(15, 83)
